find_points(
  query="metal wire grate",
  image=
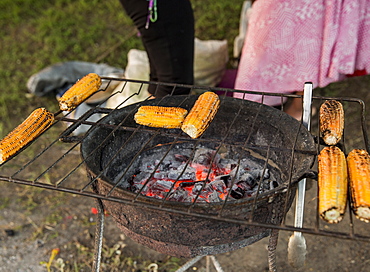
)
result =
(66, 172)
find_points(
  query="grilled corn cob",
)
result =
(80, 91)
(331, 121)
(201, 115)
(35, 124)
(358, 162)
(158, 116)
(333, 184)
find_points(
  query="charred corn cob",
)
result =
(333, 184)
(35, 124)
(331, 121)
(358, 162)
(201, 114)
(80, 91)
(158, 116)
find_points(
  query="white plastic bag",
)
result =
(210, 60)
(130, 92)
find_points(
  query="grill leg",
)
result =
(189, 263)
(98, 236)
(216, 264)
(273, 240)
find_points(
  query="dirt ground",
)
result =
(33, 222)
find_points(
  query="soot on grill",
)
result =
(197, 175)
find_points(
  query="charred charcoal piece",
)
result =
(141, 177)
(187, 183)
(136, 187)
(266, 173)
(166, 165)
(273, 184)
(250, 193)
(9, 232)
(249, 179)
(125, 183)
(244, 186)
(238, 193)
(204, 156)
(181, 158)
(225, 178)
(258, 173)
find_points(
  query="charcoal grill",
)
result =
(113, 143)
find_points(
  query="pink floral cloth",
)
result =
(290, 42)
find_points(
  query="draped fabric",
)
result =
(294, 41)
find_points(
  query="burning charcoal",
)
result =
(243, 185)
(159, 188)
(214, 197)
(197, 187)
(180, 196)
(218, 185)
(164, 185)
(160, 175)
(189, 173)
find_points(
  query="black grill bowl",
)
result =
(182, 229)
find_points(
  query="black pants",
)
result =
(169, 42)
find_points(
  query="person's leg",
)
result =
(169, 42)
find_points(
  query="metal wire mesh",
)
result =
(53, 161)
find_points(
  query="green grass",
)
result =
(36, 34)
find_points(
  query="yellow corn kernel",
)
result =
(333, 184)
(34, 125)
(162, 117)
(358, 162)
(80, 91)
(201, 114)
(331, 121)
